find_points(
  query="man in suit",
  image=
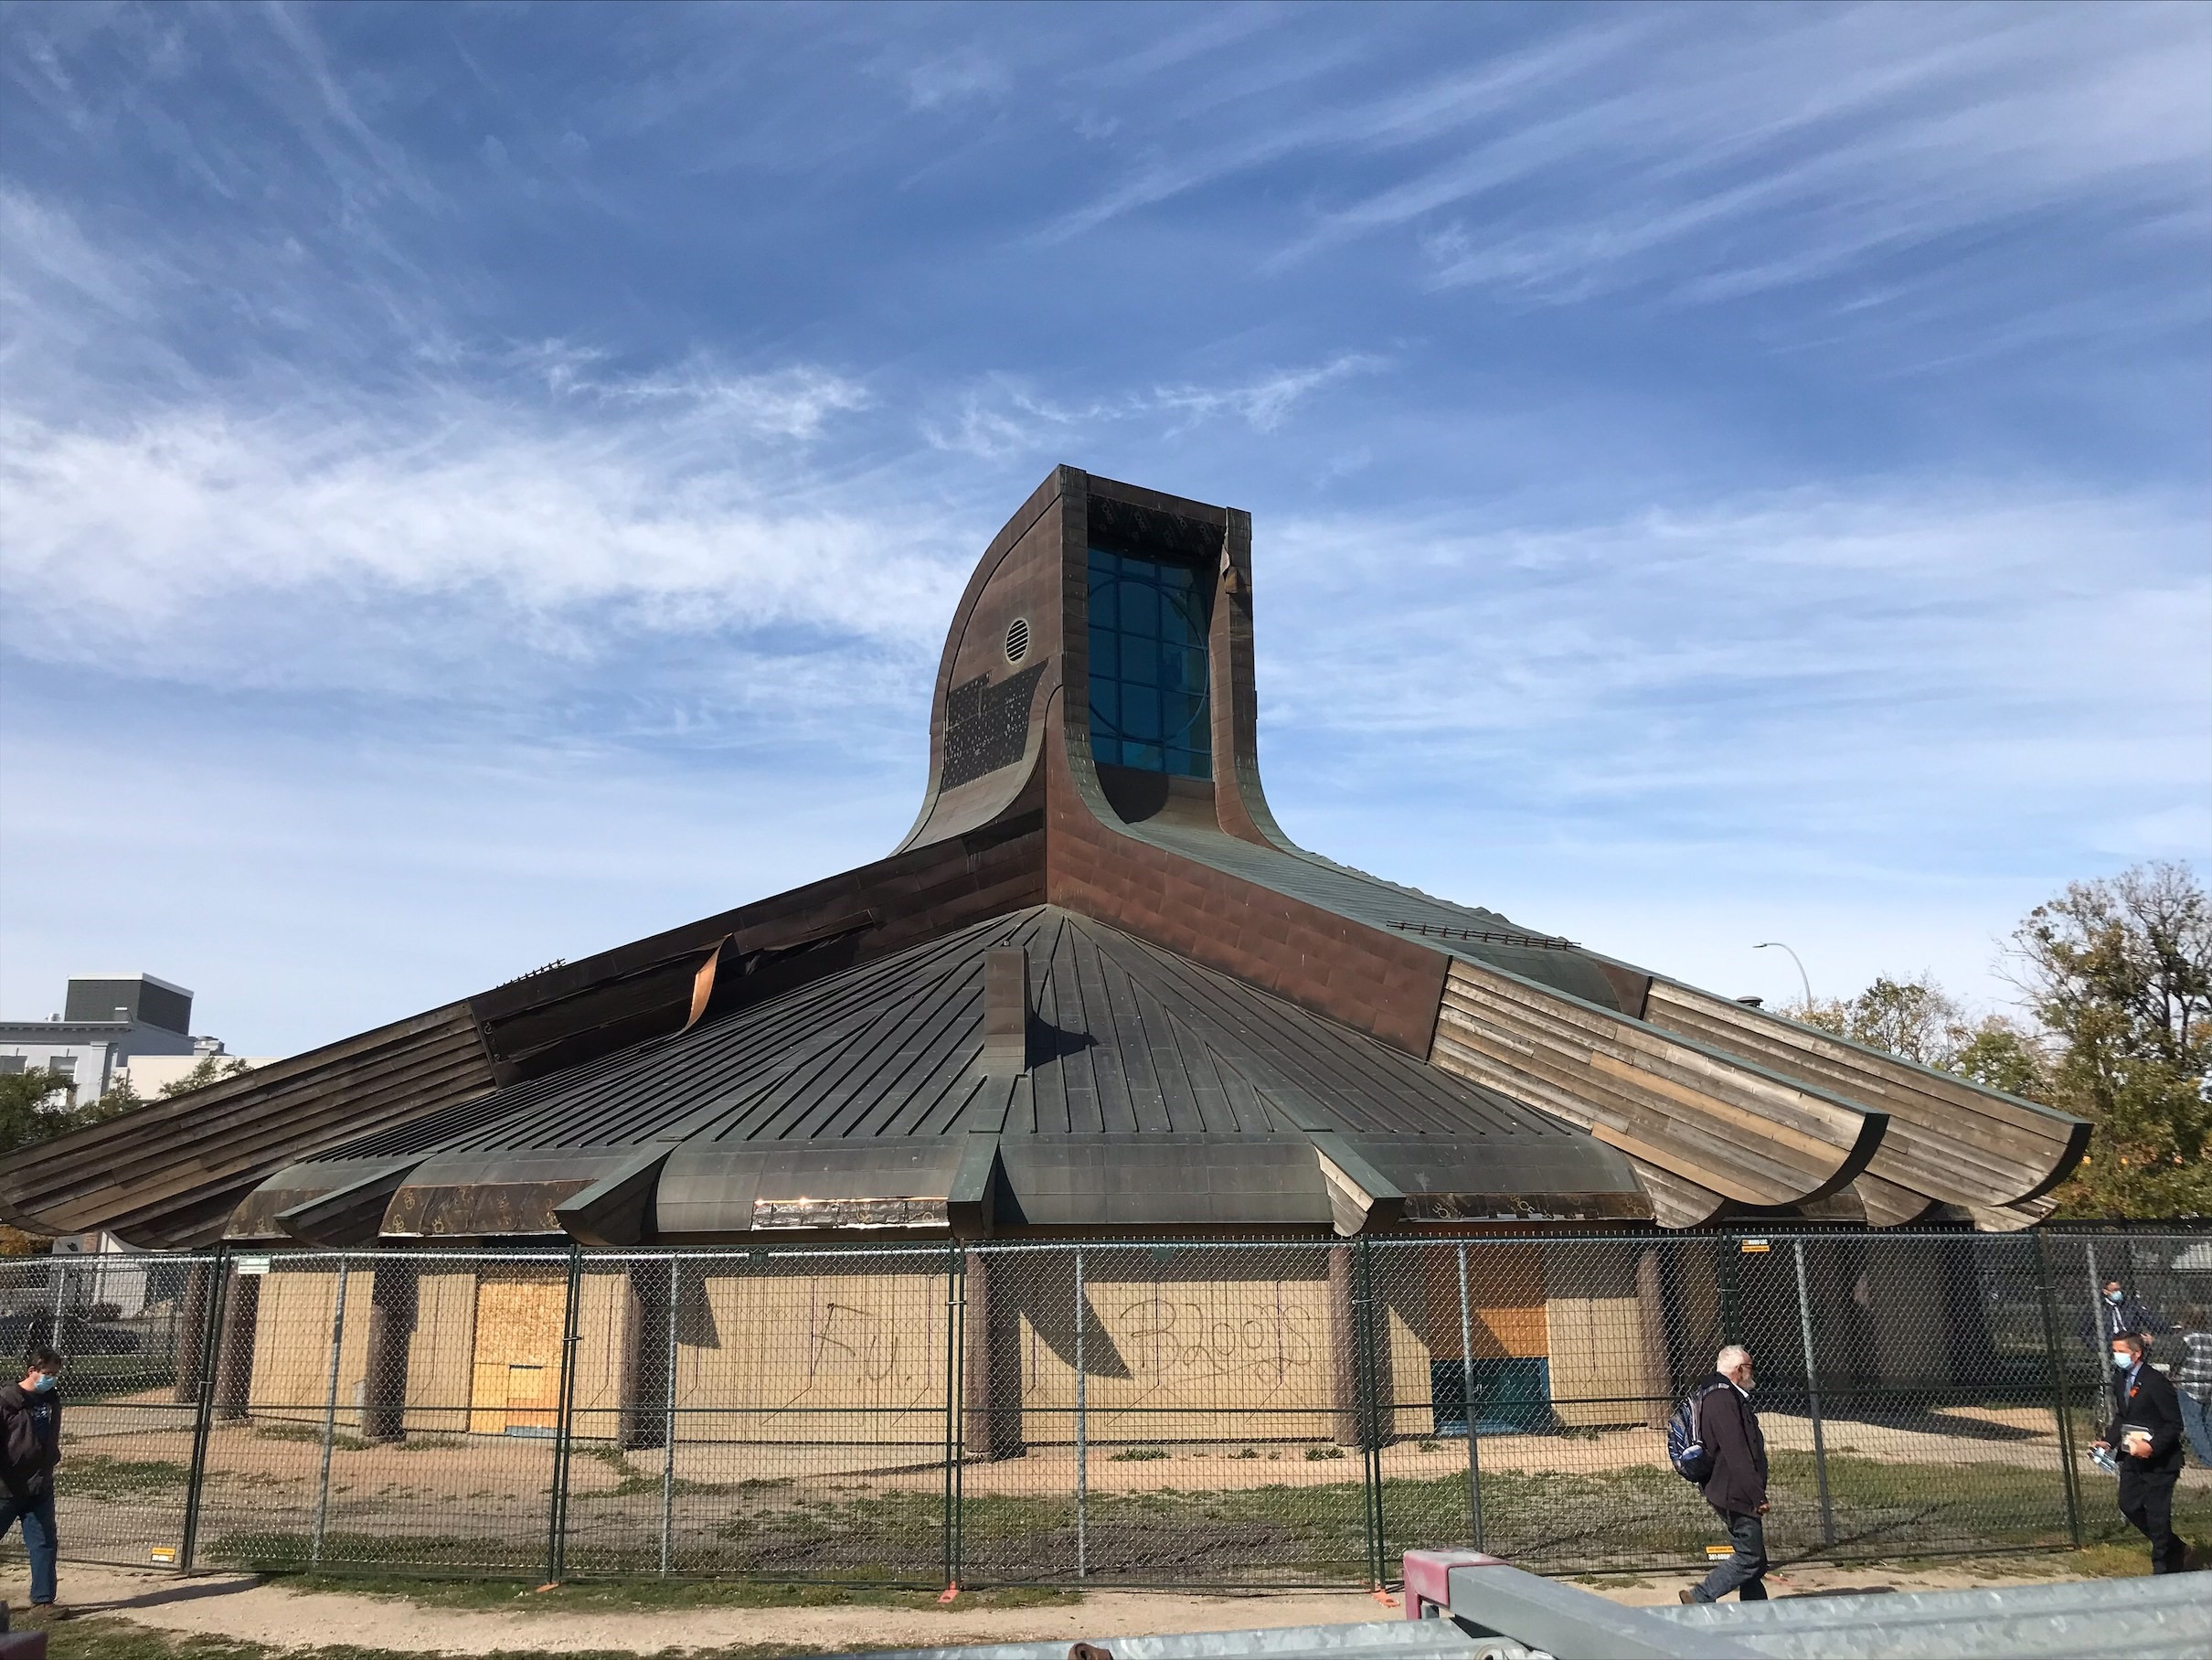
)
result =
(2117, 1310)
(2145, 1440)
(1738, 1486)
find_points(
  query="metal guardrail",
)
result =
(1496, 1611)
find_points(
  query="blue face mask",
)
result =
(44, 1382)
(2113, 1297)
(2123, 1359)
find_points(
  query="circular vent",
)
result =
(1018, 639)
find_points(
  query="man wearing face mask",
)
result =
(2117, 1312)
(1730, 1431)
(2145, 1440)
(30, 1446)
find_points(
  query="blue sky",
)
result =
(478, 484)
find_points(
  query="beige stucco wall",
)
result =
(1207, 1350)
(1606, 1357)
(1180, 1358)
(292, 1345)
(785, 1357)
(438, 1369)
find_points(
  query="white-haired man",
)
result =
(1738, 1486)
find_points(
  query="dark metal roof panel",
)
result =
(1128, 1040)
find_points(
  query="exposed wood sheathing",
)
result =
(1948, 1139)
(1753, 1138)
(170, 1172)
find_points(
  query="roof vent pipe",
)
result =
(1007, 1011)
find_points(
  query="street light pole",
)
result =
(1803, 978)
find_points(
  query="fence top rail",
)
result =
(938, 1249)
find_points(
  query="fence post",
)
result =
(1082, 1435)
(1820, 1443)
(1474, 1463)
(57, 1296)
(956, 1323)
(2061, 1408)
(1728, 1286)
(557, 1529)
(1368, 1380)
(211, 1322)
(330, 1409)
(675, 1287)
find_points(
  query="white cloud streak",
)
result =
(214, 544)
(1005, 416)
(1826, 657)
(1718, 154)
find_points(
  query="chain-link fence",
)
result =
(1210, 1414)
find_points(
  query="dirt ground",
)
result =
(241, 1606)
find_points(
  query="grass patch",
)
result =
(98, 1475)
(339, 1438)
(103, 1637)
(1317, 1454)
(1136, 1456)
(289, 1551)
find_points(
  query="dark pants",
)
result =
(2147, 1499)
(37, 1514)
(1744, 1571)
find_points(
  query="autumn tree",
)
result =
(2120, 973)
(1915, 1019)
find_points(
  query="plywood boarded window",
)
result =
(1505, 1298)
(515, 1386)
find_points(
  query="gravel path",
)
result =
(241, 1606)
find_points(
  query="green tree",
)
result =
(210, 1068)
(34, 1105)
(1915, 1018)
(34, 1108)
(2120, 973)
(1999, 1054)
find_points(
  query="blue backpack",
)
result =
(1685, 1446)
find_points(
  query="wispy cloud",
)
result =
(1714, 155)
(1745, 661)
(955, 78)
(173, 545)
(1004, 416)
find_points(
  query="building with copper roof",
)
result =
(1096, 991)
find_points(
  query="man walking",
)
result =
(30, 1446)
(2145, 1435)
(2114, 1312)
(1738, 1486)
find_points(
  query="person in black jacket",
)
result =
(2116, 1311)
(30, 1446)
(1737, 1488)
(2145, 1437)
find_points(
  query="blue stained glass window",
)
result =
(1148, 681)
